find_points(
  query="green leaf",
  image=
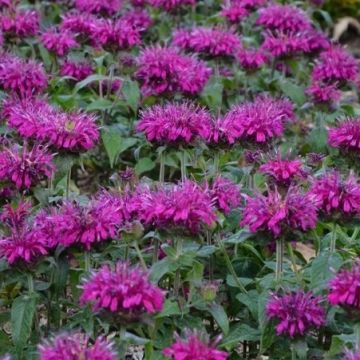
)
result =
(22, 316)
(220, 316)
(212, 93)
(295, 92)
(239, 237)
(144, 165)
(115, 144)
(301, 348)
(339, 342)
(100, 104)
(90, 79)
(159, 269)
(240, 332)
(170, 308)
(130, 90)
(250, 300)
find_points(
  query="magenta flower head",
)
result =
(323, 93)
(15, 216)
(345, 288)
(258, 121)
(162, 70)
(335, 64)
(175, 123)
(210, 41)
(124, 290)
(58, 41)
(195, 345)
(82, 24)
(185, 205)
(76, 69)
(137, 18)
(283, 18)
(333, 194)
(235, 10)
(225, 194)
(107, 7)
(76, 346)
(170, 5)
(25, 167)
(296, 313)
(23, 23)
(346, 136)
(21, 77)
(349, 355)
(251, 59)
(278, 214)
(283, 172)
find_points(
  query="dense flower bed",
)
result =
(178, 177)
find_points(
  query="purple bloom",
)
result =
(15, 216)
(349, 355)
(76, 346)
(22, 23)
(108, 7)
(124, 290)
(81, 24)
(194, 346)
(258, 121)
(211, 41)
(251, 59)
(59, 42)
(175, 123)
(24, 167)
(283, 18)
(163, 70)
(323, 93)
(333, 193)
(276, 213)
(296, 313)
(345, 288)
(335, 64)
(170, 5)
(137, 18)
(346, 136)
(235, 10)
(78, 70)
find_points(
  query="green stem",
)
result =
(138, 252)
(68, 180)
(216, 162)
(211, 258)
(87, 261)
(357, 335)
(123, 339)
(156, 250)
(30, 281)
(293, 353)
(183, 166)
(177, 280)
(279, 259)
(333, 239)
(162, 167)
(293, 262)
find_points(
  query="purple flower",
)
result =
(276, 213)
(346, 136)
(175, 123)
(335, 64)
(15, 216)
(323, 93)
(258, 121)
(76, 346)
(163, 70)
(125, 290)
(194, 346)
(108, 7)
(137, 18)
(78, 70)
(332, 193)
(251, 59)
(283, 18)
(22, 23)
(283, 171)
(234, 11)
(21, 77)
(59, 42)
(345, 288)
(211, 41)
(225, 194)
(349, 355)
(170, 5)
(296, 313)
(81, 24)
(25, 167)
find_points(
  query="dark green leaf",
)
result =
(220, 316)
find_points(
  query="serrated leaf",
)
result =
(238, 333)
(220, 316)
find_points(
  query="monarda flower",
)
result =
(349, 355)
(210, 41)
(277, 214)
(335, 65)
(322, 93)
(59, 42)
(282, 171)
(235, 10)
(76, 346)
(346, 135)
(15, 216)
(21, 77)
(76, 69)
(225, 194)
(332, 193)
(170, 5)
(251, 59)
(185, 205)
(345, 288)
(25, 167)
(283, 18)
(175, 123)
(194, 346)
(258, 121)
(296, 313)
(81, 24)
(137, 18)
(22, 23)
(124, 289)
(108, 7)
(162, 70)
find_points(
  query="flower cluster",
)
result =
(162, 70)
(58, 41)
(175, 123)
(296, 313)
(20, 23)
(276, 213)
(346, 136)
(76, 346)
(124, 289)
